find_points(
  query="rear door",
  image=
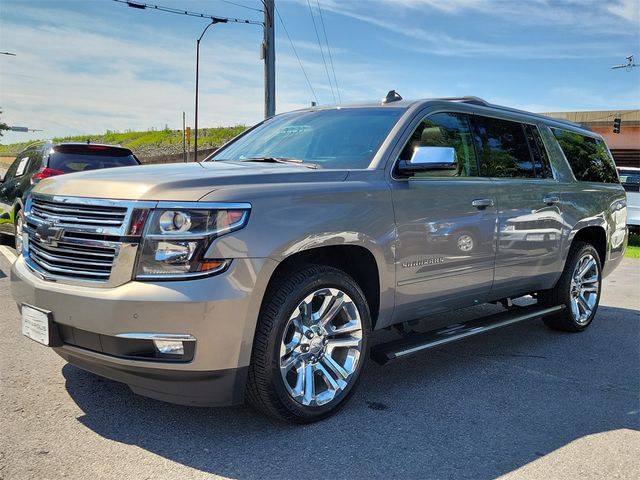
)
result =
(446, 225)
(529, 212)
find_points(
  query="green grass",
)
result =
(633, 248)
(632, 252)
(152, 142)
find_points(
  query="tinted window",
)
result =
(77, 162)
(445, 130)
(503, 150)
(335, 138)
(588, 157)
(538, 152)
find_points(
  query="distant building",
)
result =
(625, 146)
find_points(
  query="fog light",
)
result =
(169, 347)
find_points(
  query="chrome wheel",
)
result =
(19, 228)
(465, 242)
(584, 292)
(321, 347)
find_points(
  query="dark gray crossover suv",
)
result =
(261, 273)
(46, 159)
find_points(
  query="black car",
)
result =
(41, 160)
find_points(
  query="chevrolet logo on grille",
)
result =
(48, 233)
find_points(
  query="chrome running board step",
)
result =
(417, 342)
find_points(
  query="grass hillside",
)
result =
(144, 144)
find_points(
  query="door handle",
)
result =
(482, 203)
(551, 200)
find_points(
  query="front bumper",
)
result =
(219, 311)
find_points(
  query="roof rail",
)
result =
(467, 99)
(480, 101)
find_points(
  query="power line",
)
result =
(326, 39)
(144, 6)
(321, 51)
(242, 6)
(296, 54)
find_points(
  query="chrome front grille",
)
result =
(79, 213)
(81, 241)
(62, 258)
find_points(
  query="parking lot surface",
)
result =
(522, 402)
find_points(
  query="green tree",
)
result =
(3, 126)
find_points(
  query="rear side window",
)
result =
(503, 150)
(588, 157)
(79, 162)
(538, 152)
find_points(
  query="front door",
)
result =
(446, 226)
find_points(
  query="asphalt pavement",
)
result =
(522, 402)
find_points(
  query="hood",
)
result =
(179, 181)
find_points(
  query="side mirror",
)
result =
(429, 158)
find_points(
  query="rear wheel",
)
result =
(310, 345)
(578, 289)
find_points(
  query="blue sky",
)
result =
(85, 66)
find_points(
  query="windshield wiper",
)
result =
(295, 161)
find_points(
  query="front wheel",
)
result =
(310, 345)
(17, 230)
(578, 289)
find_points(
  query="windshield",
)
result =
(337, 138)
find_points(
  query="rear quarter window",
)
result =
(588, 157)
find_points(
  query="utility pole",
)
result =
(184, 139)
(269, 55)
(214, 20)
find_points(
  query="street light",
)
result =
(214, 20)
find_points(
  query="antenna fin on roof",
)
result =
(392, 96)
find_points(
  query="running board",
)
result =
(417, 342)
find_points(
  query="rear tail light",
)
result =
(43, 173)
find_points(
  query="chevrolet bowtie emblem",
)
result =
(48, 233)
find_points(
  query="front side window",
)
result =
(335, 138)
(445, 130)
(588, 157)
(503, 150)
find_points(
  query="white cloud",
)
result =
(583, 17)
(72, 78)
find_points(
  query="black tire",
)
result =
(266, 388)
(564, 292)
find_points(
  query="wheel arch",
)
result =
(596, 236)
(355, 260)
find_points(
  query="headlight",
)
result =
(177, 237)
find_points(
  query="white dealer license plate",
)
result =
(35, 324)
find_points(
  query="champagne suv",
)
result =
(261, 273)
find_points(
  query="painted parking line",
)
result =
(8, 253)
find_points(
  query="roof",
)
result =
(469, 100)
